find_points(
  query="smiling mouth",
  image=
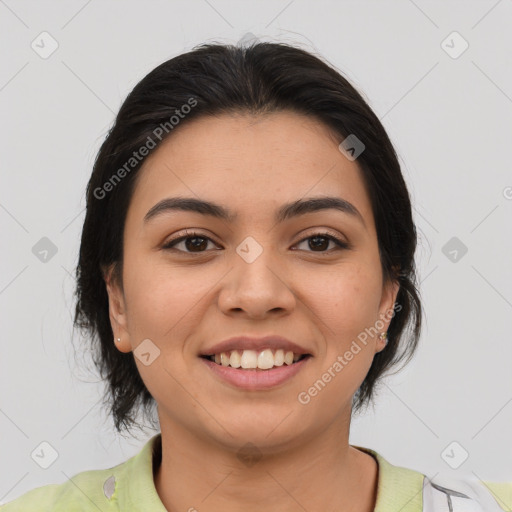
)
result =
(253, 360)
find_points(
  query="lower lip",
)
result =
(256, 379)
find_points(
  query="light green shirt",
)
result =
(129, 486)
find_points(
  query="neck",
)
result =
(325, 473)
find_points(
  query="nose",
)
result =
(257, 287)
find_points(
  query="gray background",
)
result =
(449, 117)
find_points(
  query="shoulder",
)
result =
(113, 489)
(82, 492)
(408, 490)
(502, 491)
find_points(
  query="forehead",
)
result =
(250, 163)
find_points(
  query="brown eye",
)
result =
(319, 242)
(193, 243)
(198, 243)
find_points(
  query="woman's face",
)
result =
(256, 274)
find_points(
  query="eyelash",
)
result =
(193, 234)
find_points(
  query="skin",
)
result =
(319, 298)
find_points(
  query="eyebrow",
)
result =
(287, 211)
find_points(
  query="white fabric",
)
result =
(444, 493)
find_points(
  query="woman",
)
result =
(247, 266)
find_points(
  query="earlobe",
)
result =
(124, 347)
(387, 311)
(117, 312)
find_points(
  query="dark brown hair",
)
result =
(215, 79)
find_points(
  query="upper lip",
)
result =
(250, 343)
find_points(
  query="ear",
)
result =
(387, 309)
(117, 309)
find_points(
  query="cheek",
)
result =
(346, 307)
(162, 305)
(346, 301)
(162, 300)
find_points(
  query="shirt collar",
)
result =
(398, 488)
(137, 490)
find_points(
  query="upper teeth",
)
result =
(263, 360)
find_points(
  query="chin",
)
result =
(263, 431)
